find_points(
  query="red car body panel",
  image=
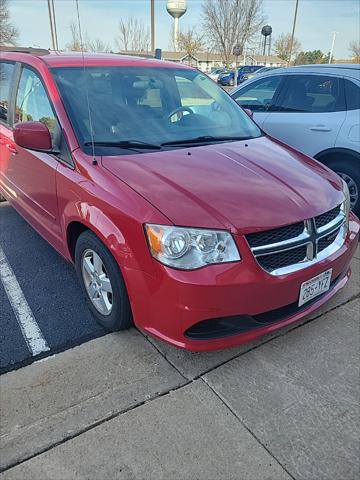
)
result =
(263, 185)
(252, 192)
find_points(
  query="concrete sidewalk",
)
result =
(123, 407)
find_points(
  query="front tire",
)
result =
(102, 283)
(350, 172)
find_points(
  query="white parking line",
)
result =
(30, 329)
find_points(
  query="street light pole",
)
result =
(152, 25)
(52, 20)
(293, 32)
(51, 26)
(332, 46)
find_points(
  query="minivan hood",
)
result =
(242, 186)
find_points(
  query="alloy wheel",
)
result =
(96, 281)
(353, 188)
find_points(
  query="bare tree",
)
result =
(133, 36)
(190, 41)
(231, 22)
(282, 46)
(8, 33)
(354, 48)
(98, 45)
(75, 43)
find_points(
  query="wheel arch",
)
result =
(82, 217)
(334, 153)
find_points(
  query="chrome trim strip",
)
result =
(289, 246)
(334, 223)
(270, 247)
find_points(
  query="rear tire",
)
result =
(102, 283)
(350, 172)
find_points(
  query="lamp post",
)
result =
(332, 46)
(52, 20)
(293, 32)
(152, 8)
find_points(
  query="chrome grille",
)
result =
(290, 248)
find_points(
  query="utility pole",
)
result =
(293, 32)
(52, 20)
(332, 46)
(152, 26)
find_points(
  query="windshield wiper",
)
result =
(204, 139)
(130, 144)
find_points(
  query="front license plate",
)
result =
(314, 287)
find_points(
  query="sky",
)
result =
(317, 19)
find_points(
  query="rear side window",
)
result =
(258, 96)
(6, 73)
(313, 94)
(352, 93)
(32, 103)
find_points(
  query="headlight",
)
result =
(345, 206)
(190, 248)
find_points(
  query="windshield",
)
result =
(149, 105)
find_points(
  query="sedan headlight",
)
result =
(190, 248)
(345, 206)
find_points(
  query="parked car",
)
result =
(178, 213)
(227, 78)
(214, 74)
(257, 72)
(315, 109)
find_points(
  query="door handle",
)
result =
(320, 128)
(11, 148)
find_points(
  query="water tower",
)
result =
(176, 9)
(266, 32)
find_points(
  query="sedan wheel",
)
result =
(353, 188)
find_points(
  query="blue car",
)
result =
(227, 77)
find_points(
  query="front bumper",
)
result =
(170, 302)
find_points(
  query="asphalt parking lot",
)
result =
(51, 290)
(284, 407)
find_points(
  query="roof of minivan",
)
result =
(74, 59)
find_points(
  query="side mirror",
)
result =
(33, 135)
(249, 112)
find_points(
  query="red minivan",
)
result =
(180, 215)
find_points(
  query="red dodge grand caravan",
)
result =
(180, 215)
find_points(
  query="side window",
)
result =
(258, 96)
(6, 73)
(32, 103)
(313, 94)
(352, 93)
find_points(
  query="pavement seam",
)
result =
(226, 404)
(164, 355)
(94, 425)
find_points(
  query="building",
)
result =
(207, 61)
